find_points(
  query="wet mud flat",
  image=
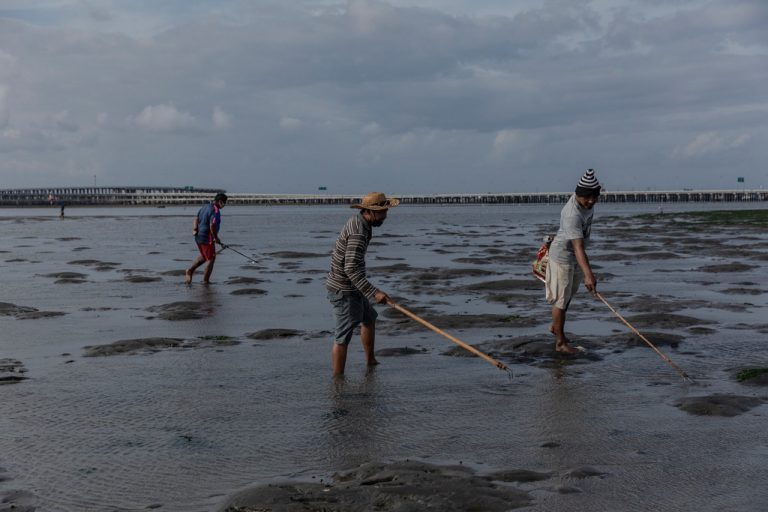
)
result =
(678, 324)
(231, 381)
(395, 486)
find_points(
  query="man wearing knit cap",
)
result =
(568, 262)
(349, 290)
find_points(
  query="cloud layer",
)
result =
(404, 96)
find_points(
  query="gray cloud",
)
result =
(402, 96)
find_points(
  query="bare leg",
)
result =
(191, 270)
(368, 336)
(208, 271)
(338, 359)
(558, 329)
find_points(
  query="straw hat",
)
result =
(376, 201)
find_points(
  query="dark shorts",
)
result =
(207, 251)
(351, 309)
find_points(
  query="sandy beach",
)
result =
(124, 389)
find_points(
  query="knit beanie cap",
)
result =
(588, 184)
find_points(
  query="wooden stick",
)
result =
(457, 341)
(662, 355)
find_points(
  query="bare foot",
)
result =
(373, 362)
(187, 277)
(565, 348)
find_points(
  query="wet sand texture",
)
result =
(149, 345)
(17, 501)
(25, 312)
(294, 255)
(67, 277)
(183, 310)
(142, 279)
(399, 486)
(399, 351)
(242, 280)
(273, 334)
(666, 321)
(753, 376)
(249, 291)
(401, 323)
(11, 371)
(131, 346)
(718, 404)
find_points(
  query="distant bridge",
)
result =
(106, 196)
(170, 196)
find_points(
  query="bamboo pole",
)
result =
(412, 316)
(659, 352)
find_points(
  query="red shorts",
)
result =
(208, 251)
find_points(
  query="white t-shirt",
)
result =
(575, 223)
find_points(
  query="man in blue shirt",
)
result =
(206, 228)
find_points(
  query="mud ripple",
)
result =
(11, 372)
(151, 345)
(394, 268)
(26, 312)
(447, 274)
(174, 273)
(741, 291)
(520, 476)
(727, 267)
(183, 310)
(141, 279)
(505, 285)
(752, 376)
(18, 501)
(273, 334)
(248, 291)
(296, 255)
(67, 277)
(473, 321)
(399, 351)
(396, 486)
(100, 266)
(243, 280)
(535, 350)
(666, 320)
(718, 404)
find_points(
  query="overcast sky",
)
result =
(404, 96)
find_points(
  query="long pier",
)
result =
(171, 196)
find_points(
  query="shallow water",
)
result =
(182, 428)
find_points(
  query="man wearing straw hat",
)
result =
(349, 290)
(568, 262)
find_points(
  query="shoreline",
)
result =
(163, 197)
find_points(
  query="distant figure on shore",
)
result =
(62, 205)
(205, 228)
(349, 290)
(568, 262)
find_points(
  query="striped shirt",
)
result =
(348, 259)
